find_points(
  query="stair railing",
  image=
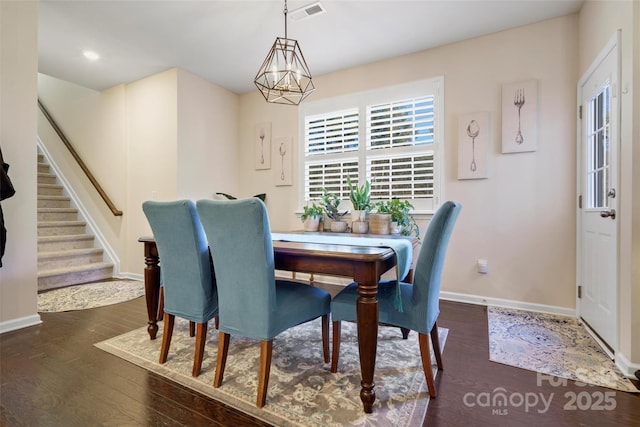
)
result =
(83, 166)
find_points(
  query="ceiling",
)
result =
(225, 41)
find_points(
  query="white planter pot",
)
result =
(338, 226)
(358, 216)
(311, 224)
(360, 227)
(395, 228)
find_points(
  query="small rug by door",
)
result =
(302, 390)
(552, 345)
(90, 295)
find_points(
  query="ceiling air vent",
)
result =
(307, 11)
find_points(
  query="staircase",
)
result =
(66, 253)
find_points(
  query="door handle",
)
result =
(610, 214)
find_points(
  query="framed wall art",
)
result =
(283, 161)
(520, 117)
(474, 139)
(262, 144)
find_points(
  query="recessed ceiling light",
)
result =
(91, 55)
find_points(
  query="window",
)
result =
(390, 137)
(598, 161)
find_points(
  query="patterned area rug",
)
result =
(553, 345)
(90, 295)
(302, 390)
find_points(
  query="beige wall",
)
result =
(599, 21)
(168, 136)
(152, 153)
(207, 136)
(521, 219)
(18, 94)
(94, 122)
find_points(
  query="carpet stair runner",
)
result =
(66, 252)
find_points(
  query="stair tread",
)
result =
(52, 197)
(67, 252)
(57, 249)
(42, 210)
(73, 269)
(60, 223)
(65, 237)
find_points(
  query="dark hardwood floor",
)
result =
(52, 375)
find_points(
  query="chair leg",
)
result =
(405, 333)
(266, 348)
(425, 355)
(169, 320)
(201, 338)
(161, 304)
(192, 328)
(335, 351)
(216, 322)
(223, 348)
(325, 337)
(435, 340)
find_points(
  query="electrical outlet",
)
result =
(483, 267)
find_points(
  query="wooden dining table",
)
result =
(365, 264)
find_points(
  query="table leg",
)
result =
(151, 286)
(367, 310)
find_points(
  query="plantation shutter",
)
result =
(400, 155)
(332, 144)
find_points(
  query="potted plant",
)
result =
(331, 205)
(311, 217)
(401, 221)
(361, 199)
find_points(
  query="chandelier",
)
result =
(284, 77)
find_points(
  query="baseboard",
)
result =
(505, 303)
(19, 323)
(130, 276)
(626, 366)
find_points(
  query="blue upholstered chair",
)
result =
(187, 276)
(420, 300)
(253, 303)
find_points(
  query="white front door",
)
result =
(598, 183)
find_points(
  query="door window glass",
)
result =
(598, 165)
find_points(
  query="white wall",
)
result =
(18, 96)
(522, 219)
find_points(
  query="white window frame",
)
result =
(428, 87)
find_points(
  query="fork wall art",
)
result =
(474, 137)
(262, 146)
(520, 117)
(283, 161)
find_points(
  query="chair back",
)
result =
(428, 271)
(240, 239)
(189, 286)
